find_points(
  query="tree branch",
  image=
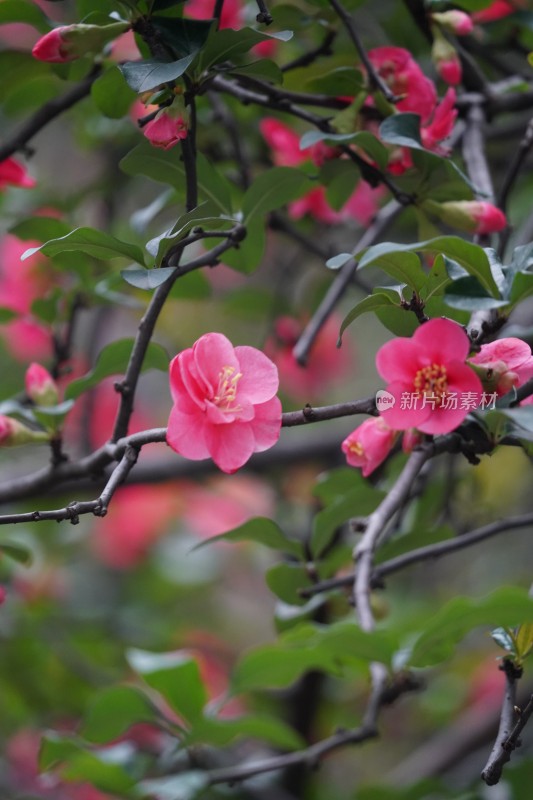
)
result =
(508, 731)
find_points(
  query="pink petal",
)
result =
(213, 352)
(398, 360)
(266, 425)
(442, 340)
(186, 434)
(400, 419)
(259, 381)
(230, 446)
(512, 351)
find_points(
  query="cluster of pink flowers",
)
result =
(284, 143)
(425, 375)
(225, 403)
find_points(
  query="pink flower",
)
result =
(225, 404)
(445, 58)
(40, 386)
(457, 22)
(165, 130)
(224, 503)
(3, 594)
(506, 363)
(285, 145)
(497, 10)
(53, 47)
(326, 364)
(13, 174)
(432, 387)
(369, 444)
(402, 74)
(441, 124)
(231, 17)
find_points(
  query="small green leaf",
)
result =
(504, 638)
(148, 279)
(342, 81)
(143, 76)
(524, 640)
(40, 228)
(358, 501)
(6, 315)
(111, 96)
(185, 36)
(113, 360)
(262, 531)
(273, 189)
(402, 130)
(285, 580)
(437, 281)
(522, 287)
(95, 243)
(227, 44)
(263, 70)
(23, 11)
(274, 667)
(469, 295)
(78, 764)
(402, 266)
(338, 261)
(221, 732)
(176, 676)
(363, 139)
(113, 710)
(17, 552)
(371, 303)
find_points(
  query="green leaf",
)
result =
(113, 710)
(227, 44)
(113, 360)
(95, 243)
(185, 786)
(221, 732)
(505, 607)
(247, 256)
(470, 256)
(522, 287)
(342, 81)
(263, 70)
(143, 76)
(437, 281)
(176, 676)
(504, 639)
(358, 501)
(285, 580)
(402, 266)
(262, 531)
(275, 667)
(402, 130)
(371, 303)
(148, 279)
(363, 139)
(78, 764)
(40, 228)
(17, 552)
(469, 295)
(338, 261)
(167, 167)
(524, 640)
(110, 94)
(23, 11)
(6, 315)
(185, 36)
(274, 189)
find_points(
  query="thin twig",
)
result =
(341, 282)
(506, 741)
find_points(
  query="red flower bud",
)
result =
(40, 386)
(13, 174)
(73, 41)
(454, 21)
(475, 216)
(165, 130)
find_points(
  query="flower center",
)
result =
(356, 448)
(432, 381)
(227, 389)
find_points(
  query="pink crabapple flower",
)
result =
(432, 386)
(326, 364)
(445, 58)
(165, 130)
(475, 216)
(506, 363)
(497, 10)
(225, 404)
(12, 173)
(40, 386)
(53, 47)
(454, 21)
(70, 42)
(369, 445)
(403, 76)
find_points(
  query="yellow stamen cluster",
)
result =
(227, 389)
(356, 448)
(432, 381)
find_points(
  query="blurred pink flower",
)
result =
(455, 21)
(221, 504)
(441, 124)
(165, 130)
(402, 74)
(508, 362)
(450, 69)
(369, 445)
(12, 173)
(40, 386)
(136, 518)
(476, 216)
(231, 17)
(496, 10)
(124, 48)
(432, 386)
(327, 363)
(225, 404)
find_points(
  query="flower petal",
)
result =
(186, 434)
(259, 381)
(230, 446)
(442, 340)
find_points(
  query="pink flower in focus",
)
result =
(12, 173)
(40, 386)
(432, 386)
(508, 363)
(327, 363)
(497, 10)
(231, 17)
(369, 445)
(225, 404)
(137, 517)
(402, 74)
(165, 130)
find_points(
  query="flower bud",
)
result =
(13, 432)
(445, 58)
(454, 21)
(167, 128)
(40, 386)
(369, 445)
(411, 439)
(475, 216)
(73, 41)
